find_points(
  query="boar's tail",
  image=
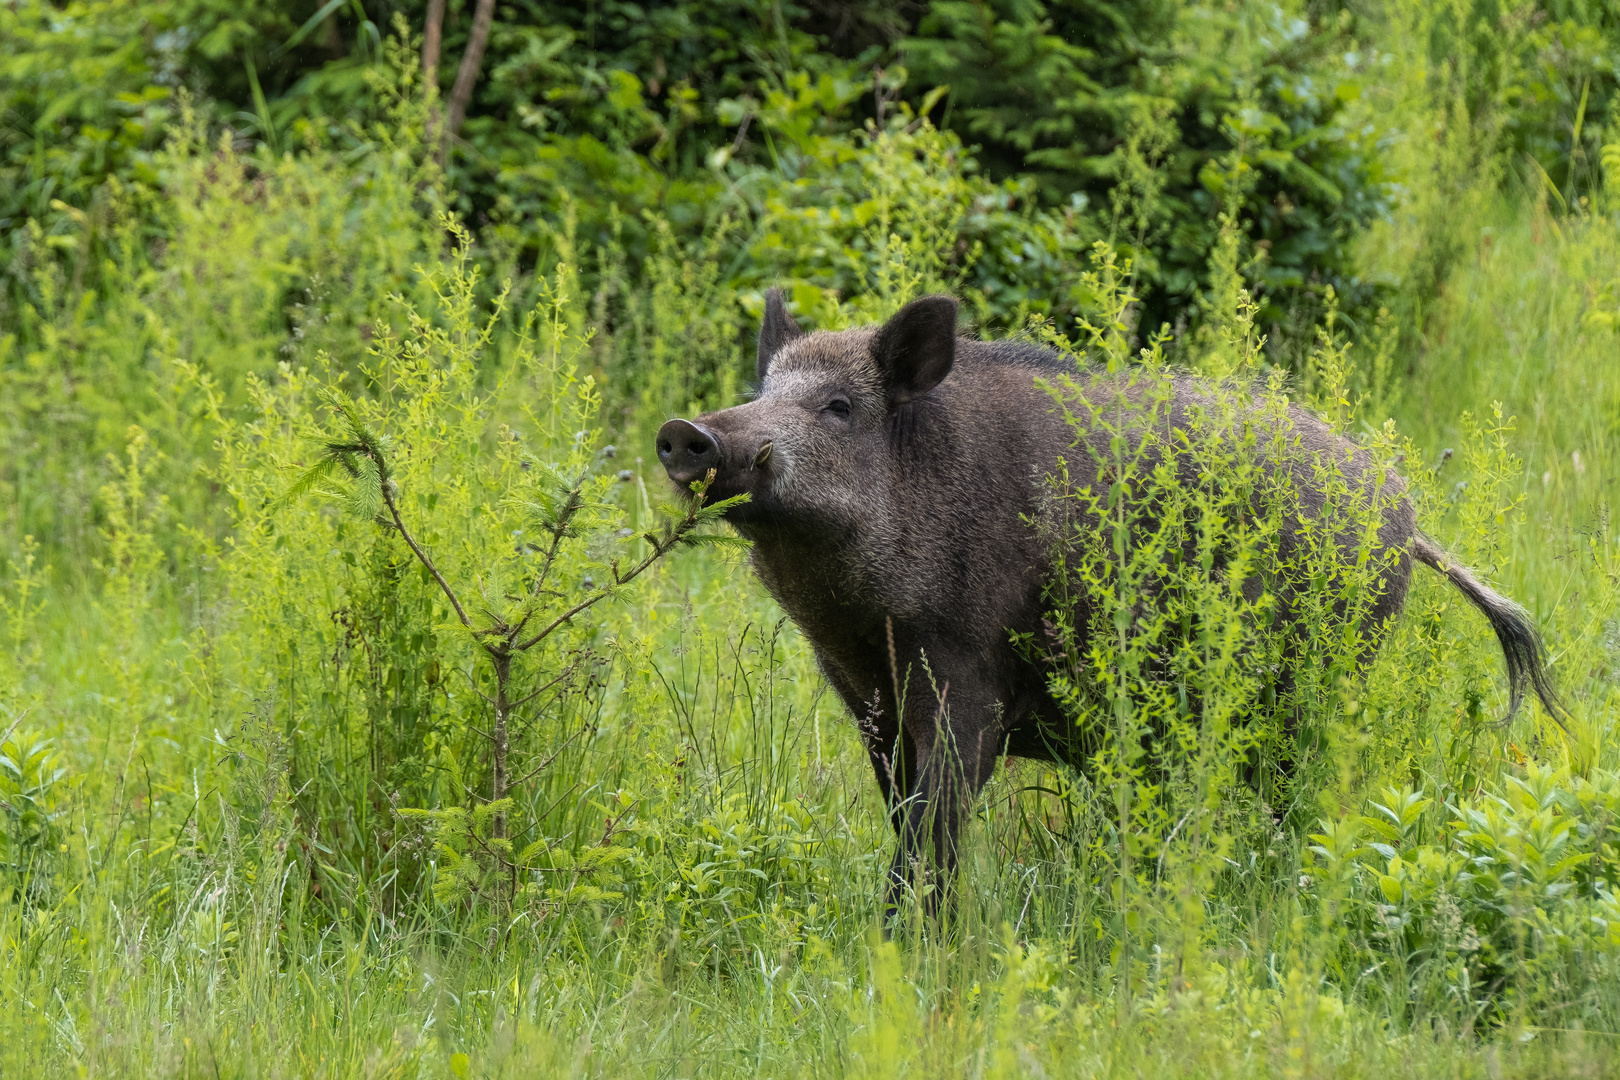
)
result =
(1521, 644)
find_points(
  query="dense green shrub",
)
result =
(1207, 618)
(1493, 902)
(1154, 118)
(485, 520)
(1541, 79)
(1140, 122)
(261, 260)
(90, 90)
(30, 779)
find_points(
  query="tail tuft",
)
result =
(1521, 644)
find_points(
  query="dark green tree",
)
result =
(1158, 116)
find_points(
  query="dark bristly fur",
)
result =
(892, 474)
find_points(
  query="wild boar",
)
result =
(893, 474)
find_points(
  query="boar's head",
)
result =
(815, 448)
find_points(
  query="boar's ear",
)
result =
(775, 330)
(915, 349)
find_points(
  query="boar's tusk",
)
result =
(764, 454)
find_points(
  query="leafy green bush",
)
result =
(1208, 621)
(1140, 123)
(94, 320)
(30, 834)
(1492, 903)
(480, 494)
(896, 211)
(1539, 80)
(1153, 118)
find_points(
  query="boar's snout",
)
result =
(687, 451)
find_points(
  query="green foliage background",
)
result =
(248, 819)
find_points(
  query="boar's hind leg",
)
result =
(956, 743)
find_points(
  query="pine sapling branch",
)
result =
(388, 491)
(576, 500)
(673, 537)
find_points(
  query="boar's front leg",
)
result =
(956, 739)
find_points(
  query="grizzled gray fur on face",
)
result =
(892, 473)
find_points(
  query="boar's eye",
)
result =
(838, 407)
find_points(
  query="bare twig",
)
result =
(540, 768)
(555, 803)
(14, 724)
(471, 61)
(584, 605)
(500, 742)
(473, 686)
(432, 40)
(659, 550)
(742, 134)
(566, 672)
(576, 500)
(524, 726)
